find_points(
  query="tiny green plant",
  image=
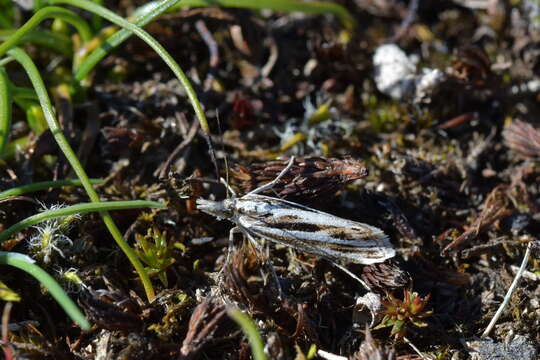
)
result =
(26, 264)
(6, 294)
(399, 314)
(84, 49)
(156, 252)
(71, 280)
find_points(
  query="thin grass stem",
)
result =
(311, 7)
(250, 330)
(27, 265)
(156, 46)
(65, 147)
(46, 13)
(5, 110)
(43, 185)
(81, 208)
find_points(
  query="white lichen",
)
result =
(397, 76)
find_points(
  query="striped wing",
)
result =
(312, 231)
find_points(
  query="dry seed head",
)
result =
(308, 178)
(203, 323)
(386, 275)
(371, 350)
(523, 138)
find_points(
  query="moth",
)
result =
(301, 228)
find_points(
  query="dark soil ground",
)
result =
(453, 180)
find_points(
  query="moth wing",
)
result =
(314, 231)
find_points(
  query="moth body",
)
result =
(303, 228)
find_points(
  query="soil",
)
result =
(453, 181)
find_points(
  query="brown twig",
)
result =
(6, 346)
(212, 49)
(164, 168)
(494, 208)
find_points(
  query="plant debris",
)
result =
(309, 178)
(423, 121)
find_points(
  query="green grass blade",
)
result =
(250, 330)
(81, 208)
(311, 7)
(160, 50)
(43, 185)
(56, 42)
(20, 92)
(46, 13)
(5, 111)
(26, 264)
(65, 147)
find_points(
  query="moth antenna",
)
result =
(273, 182)
(229, 189)
(212, 152)
(226, 183)
(350, 273)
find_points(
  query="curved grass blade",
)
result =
(311, 7)
(43, 185)
(77, 209)
(5, 111)
(67, 150)
(48, 12)
(250, 330)
(26, 264)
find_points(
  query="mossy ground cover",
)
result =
(453, 180)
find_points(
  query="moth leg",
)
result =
(269, 262)
(273, 182)
(348, 272)
(229, 189)
(234, 230)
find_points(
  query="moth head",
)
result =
(219, 209)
